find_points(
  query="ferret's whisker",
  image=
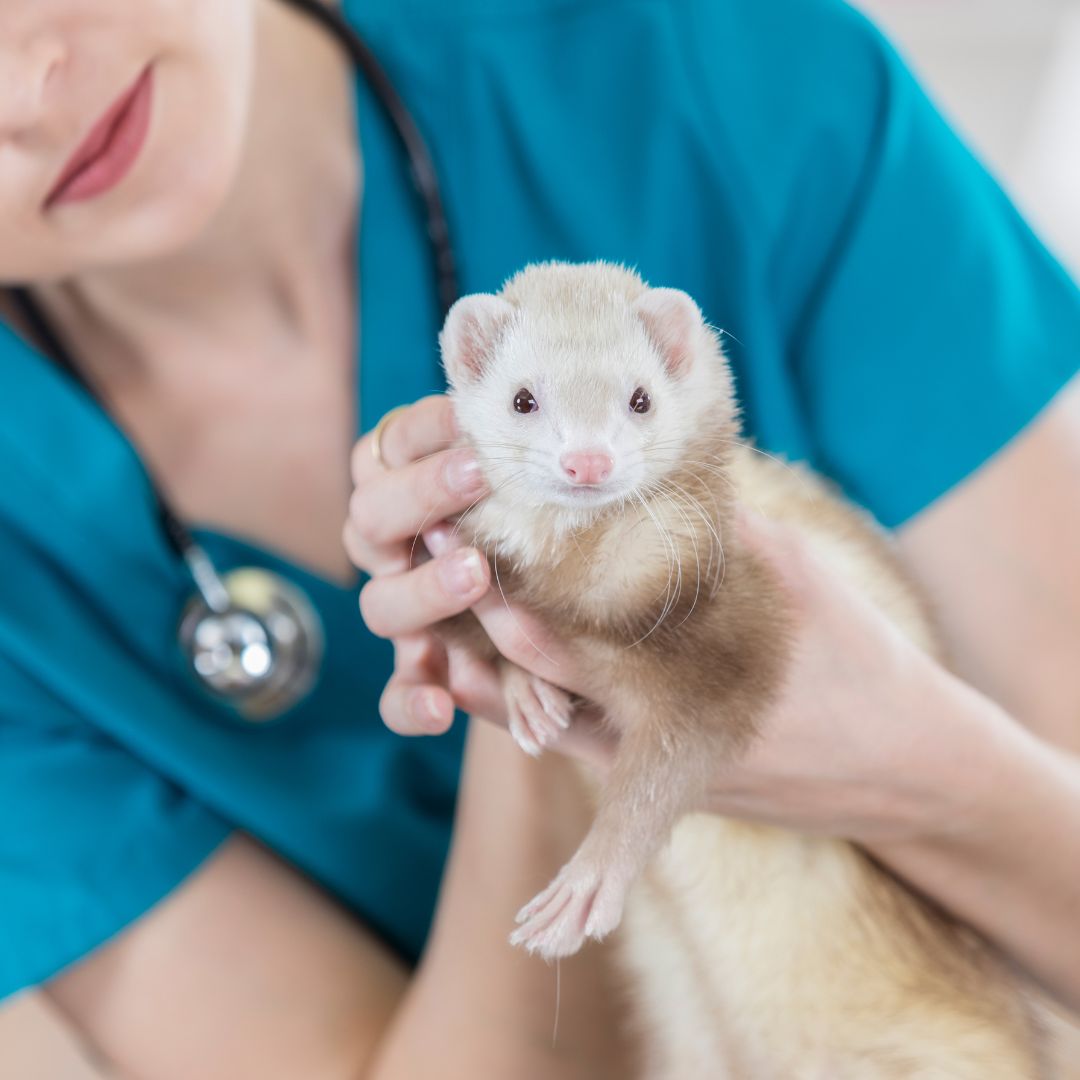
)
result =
(669, 552)
(485, 448)
(460, 517)
(672, 598)
(510, 610)
(718, 471)
(685, 502)
(716, 550)
(440, 449)
(698, 508)
(513, 478)
(679, 576)
(797, 473)
(721, 471)
(714, 522)
(558, 1002)
(423, 525)
(577, 543)
(697, 556)
(460, 521)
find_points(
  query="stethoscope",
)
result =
(250, 638)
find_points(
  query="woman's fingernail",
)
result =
(425, 708)
(463, 475)
(462, 573)
(437, 539)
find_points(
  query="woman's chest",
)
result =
(256, 447)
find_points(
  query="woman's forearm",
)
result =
(1008, 863)
(478, 1007)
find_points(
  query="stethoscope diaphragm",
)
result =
(258, 647)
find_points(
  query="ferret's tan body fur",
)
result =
(755, 953)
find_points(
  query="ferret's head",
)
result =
(581, 388)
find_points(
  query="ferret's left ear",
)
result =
(673, 321)
(472, 329)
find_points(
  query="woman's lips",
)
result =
(108, 153)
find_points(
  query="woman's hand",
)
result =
(419, 480)
(869, 738)
(397, 522)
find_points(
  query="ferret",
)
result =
(602, 414)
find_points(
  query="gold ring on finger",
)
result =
(380, 430)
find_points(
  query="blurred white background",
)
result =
(1007, 74)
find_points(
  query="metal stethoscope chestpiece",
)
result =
(251, 638)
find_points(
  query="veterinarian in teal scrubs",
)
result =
(891, 320)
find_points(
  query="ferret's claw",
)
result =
(538, 712)
(555, 702)
(521, 732)
(556, 930)
(539, 901)
(580, 903)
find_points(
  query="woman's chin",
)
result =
(155, 221)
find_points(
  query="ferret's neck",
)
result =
(530, 537)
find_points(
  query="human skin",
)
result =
(870, 739)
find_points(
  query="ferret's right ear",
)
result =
(472, 330)
(672, 320)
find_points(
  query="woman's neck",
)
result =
(286, 228)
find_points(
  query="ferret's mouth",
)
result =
(586, 496)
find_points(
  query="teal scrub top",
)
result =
(891, 319)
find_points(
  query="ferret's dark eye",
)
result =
(640, 401)
(524, 402)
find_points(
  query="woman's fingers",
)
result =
(373, 559)
(475, 685)
(797, 568)
(394, 605)
(416, 709)
(430, 681)
(525, 641)
(416, 700)
(416, 482)
(395, 505)
(414, 433)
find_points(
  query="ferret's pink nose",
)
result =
(588, 467)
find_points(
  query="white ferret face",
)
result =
(580, 388)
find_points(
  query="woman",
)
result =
(202, 896)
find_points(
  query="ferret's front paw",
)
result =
(538, 712)
(582, 902)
